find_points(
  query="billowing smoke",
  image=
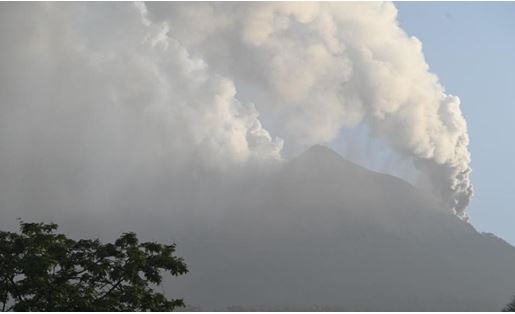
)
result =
(131, 90)
(315, 68)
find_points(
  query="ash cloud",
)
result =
(98, 99)
(313, 69)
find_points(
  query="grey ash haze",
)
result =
(193, 122)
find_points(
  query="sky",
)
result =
(471, 47)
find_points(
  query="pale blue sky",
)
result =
(471, 47)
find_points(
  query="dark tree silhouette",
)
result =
(41, 270)
(510, 307)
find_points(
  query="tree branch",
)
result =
(122, 277)
(112, 288)
(18, 295)
(4, 301)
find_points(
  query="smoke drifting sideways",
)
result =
(96, 96)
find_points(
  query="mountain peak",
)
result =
(319, 157)
(320, 153)
(321, 149)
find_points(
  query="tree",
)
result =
(510, 307)
(41, 270)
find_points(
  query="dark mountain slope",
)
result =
(324, 231)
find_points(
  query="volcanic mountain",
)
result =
(324, 233)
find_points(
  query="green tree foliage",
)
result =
(41, 270)
(510, 307)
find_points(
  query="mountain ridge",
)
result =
(322, 230)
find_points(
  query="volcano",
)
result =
(324, 233)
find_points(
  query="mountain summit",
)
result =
(324, 231)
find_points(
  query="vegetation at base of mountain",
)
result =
(41, 270)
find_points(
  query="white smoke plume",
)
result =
(321, 67)
(131, 88)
